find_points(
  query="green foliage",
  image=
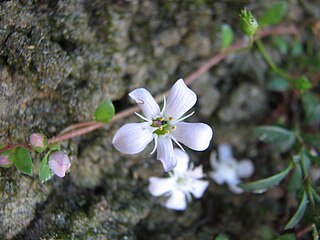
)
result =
(55, 147)
(299, 213)
(311, 107)
(281, 44)
(273, 14)
(278, 84)
(288, 236)
(221, 237)
(266, 183)
(22, 160)
(281, 138)
(227, 36)
(302, 83)
(104, 112)
(45, 172)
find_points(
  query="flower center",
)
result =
(163, 125)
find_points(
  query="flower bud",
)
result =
(59, 163)
(248, 23)
(4, 161)
(39, 142)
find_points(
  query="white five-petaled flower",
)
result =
(163, 126)
(228, 170)
(183, 181)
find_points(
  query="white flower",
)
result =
(183, 182)
(163, 126)
(228, 170)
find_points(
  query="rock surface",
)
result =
(59, 59)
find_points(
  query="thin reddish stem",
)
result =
(10, 147)
(86, 127)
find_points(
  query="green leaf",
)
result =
(104, 112)
(302, 83)
(45, 172)
(262, 185)
(281, 138)
(221, 237)
(278, 84)
(55, 147)
(288, 236)
(227, 36)
(22, 160)
(273, 14)
(299, 213)
(311, 107)
(296, 179)
(281, 44)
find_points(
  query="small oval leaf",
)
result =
(45, 172)
(227, 36)
(104, 112)
(299, 213)
(273, 14)
(281, 138)
(266, 183)
(302, 83)
(22, 160)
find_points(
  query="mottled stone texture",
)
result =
(59, 59)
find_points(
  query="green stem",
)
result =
(271, 63)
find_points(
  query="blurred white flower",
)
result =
(184, 180)
(228, 170)
(163, 126)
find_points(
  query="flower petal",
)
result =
(214, 163)
(180, 100)
(198, 187)
(224, 151)
(197, 172)
(165, 153)
(245, 168)
(217, 177)
(196, 136)
(133, 138)
(235, 189)
(160, 186)
(146, 103)
(182, 161)
(59, 163)
(177, 201)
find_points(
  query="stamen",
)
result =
(183, 118)
(173, 128)
(175, 140)
(160, 128)
(155, 143)
(164, 105)
(143, 118)
(167, 131)
(170, 118)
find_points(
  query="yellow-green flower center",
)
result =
(163, 125)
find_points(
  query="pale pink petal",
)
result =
(37, 140)
(245, 168)
(146, 103)
(59, 163)
(224, 151)
(196, 136)
(4, 161)
(165, 153)
(198, 187)
(182, 161)
(160, 186)
(133, 138)
(180, 100)
(177, 201)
